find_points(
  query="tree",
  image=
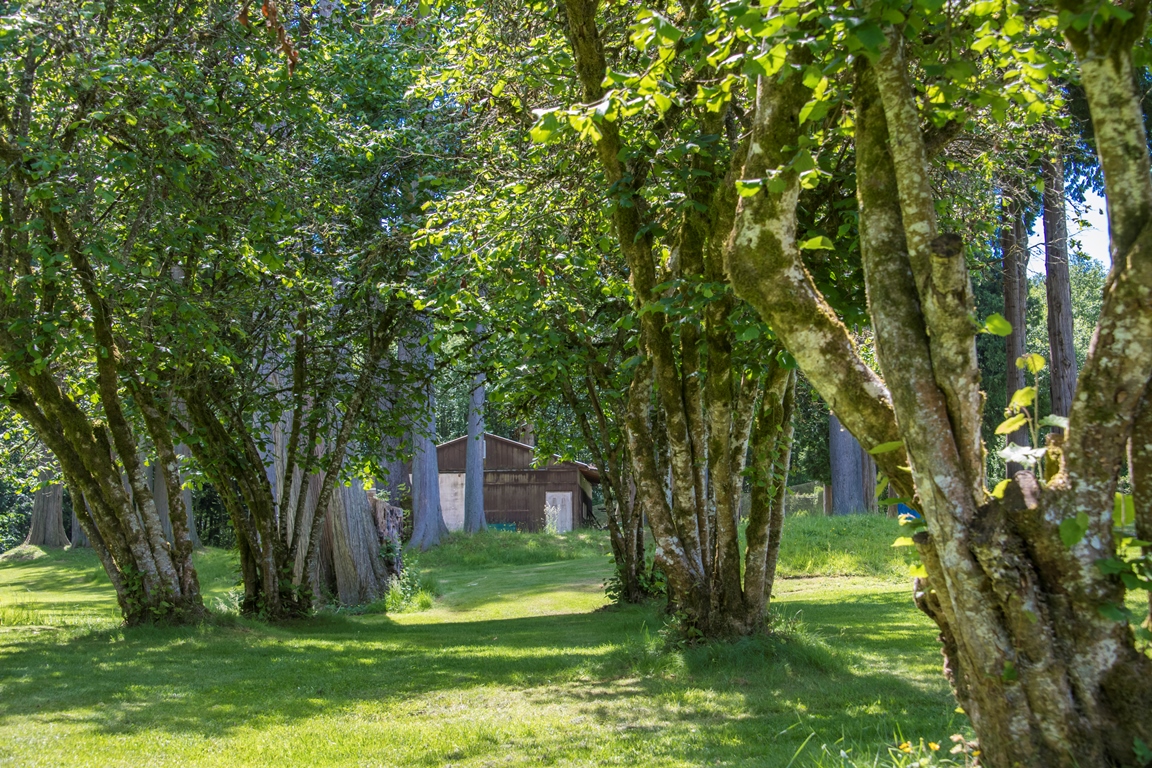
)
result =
(853, 472)
(474, 459)
(427, 518)
(1059, 289)
(1024, 583)
(1014, 252)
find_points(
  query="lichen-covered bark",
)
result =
(703, 400)
(938, 266)
(764, 264)
(1046, 679)
(771, 451)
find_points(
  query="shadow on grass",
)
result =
(611, 665)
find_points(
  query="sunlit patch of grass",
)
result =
(494, 547)
(515, 665)
(17, 612)
(847, 545)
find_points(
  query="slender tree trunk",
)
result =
(47, 528)
(1014, 250)
(1059, 289)
(474, 519)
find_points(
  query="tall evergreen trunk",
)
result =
(1014, 252)
(47, 529)
(474, 519)
(850, 466)
(427, 517)
(1062, 361)
(1038, 661)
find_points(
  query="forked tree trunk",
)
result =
(474, 519)
(47, 529)
(1062, 360)
(625, 518)
(691, 406)
(1038, 659)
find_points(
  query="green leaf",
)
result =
(881, 484)
(1011, 424)
(1010, 673)
(1032, 361)
(996, 325)
(904, 541)
(918, 571)
(870, 36)
(1072, 530)
(998, 491)
(749, 187)
(895, 445)
(1052, 420)
(817, 243)
(1022, 398)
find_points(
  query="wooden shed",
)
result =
(516, 493)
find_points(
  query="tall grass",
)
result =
(15, 612)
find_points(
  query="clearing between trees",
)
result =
(521, 661)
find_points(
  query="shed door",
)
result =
(561, 500)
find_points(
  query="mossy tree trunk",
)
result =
(692, 401)
(1047, 675)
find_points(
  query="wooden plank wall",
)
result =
(512, 496)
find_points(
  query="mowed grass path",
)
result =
(517, 664)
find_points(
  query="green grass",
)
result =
(518, 663)
(851, 545)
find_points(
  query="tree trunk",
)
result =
(47, 528)
(1038, 661)
(1059, 289)
(79, 538)
(474, 519)
(427, 518)
(849, 495)
(690, 406)
(1014, 250)
(360, 575)
(389, 522)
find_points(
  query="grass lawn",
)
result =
(518, 663)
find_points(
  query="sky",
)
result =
(1093, 239)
